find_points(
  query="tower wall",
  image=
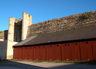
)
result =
(18, 30)
(26, 22)
(10, 41)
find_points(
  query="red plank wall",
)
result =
(85, 50)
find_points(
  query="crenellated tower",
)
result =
(17, 31)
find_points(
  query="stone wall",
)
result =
(1, 34)
(3, 49)
(73, 22)
(4, 34)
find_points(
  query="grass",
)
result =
(87, 62)
(58, 61)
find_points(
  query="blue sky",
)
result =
(42, 10)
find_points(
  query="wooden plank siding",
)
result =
(84, 50)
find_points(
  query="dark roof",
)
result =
(86, 32)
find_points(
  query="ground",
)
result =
(43, 65)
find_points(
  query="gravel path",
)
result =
(43, 65)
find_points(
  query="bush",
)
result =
(85, 16)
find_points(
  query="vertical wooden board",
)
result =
(26, 49)
(72, 46)
(14, 53)
(52, 52)
(66, 52)
(28, 53)
(45, 48)
(89, 50)
(94, 52)
(47, 53)
(60, 52)
(69, 51)
(72, 51)
(38, 52)
(75, 51)
(17, 53)
(82, 47)
(93, 43)
(57, 52)
(42, 52)
(32, 53)
(39, 56)
(54, 57)
(20, 53)
(35, 53)
(83, 51)
(86, 51)
(39, 49)
(63, 51)
(23, 53)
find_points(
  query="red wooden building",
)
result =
(71, 45)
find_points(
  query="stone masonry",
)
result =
(67, 23)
